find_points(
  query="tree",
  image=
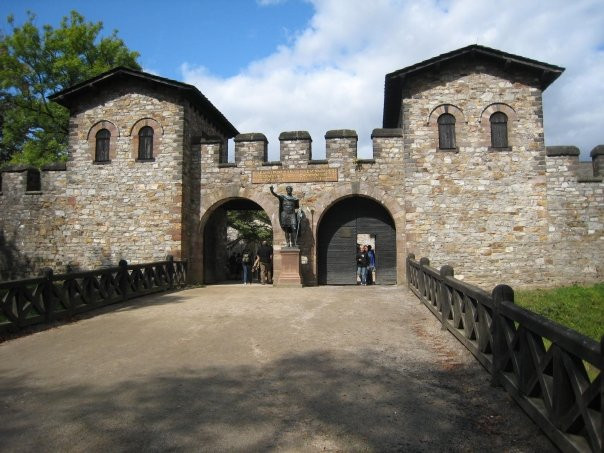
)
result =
(35, 64)
(252, 227)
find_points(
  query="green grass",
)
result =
(579, 307)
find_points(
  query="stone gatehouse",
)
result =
(459, 173)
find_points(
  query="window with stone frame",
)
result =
(101, 151)
(145, 143)
(33, 182)
(499, 130)
(446, 131)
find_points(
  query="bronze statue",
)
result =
(290, 215)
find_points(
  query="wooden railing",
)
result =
(53, 297)
(552, 372)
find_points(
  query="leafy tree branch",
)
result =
(35, 63)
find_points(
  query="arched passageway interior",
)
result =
(349, 222)
(236, 226)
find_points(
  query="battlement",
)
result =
(26, 179)
(296, 149)
(563, 162)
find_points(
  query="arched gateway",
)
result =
(471, 205)
(222, 245)
(351, 221)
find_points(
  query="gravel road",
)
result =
(255, 368)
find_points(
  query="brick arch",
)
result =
(328, 199)
(446, 108)
(497, 107)
(485, 125)
(214, 199)
(91, 138)
(158, 132)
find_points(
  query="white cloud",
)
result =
(270, 2)
(331, 75)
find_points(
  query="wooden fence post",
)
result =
(421, 283)
(48, 300)
(443, 295)
(410, 256)
(122, 278)
(499, 294)
(601, 427)
(170, 270)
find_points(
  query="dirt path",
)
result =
(236, 368)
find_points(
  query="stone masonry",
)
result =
(523, 215)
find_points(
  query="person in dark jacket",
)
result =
(362, 263)
(265, 258)
(370, 266)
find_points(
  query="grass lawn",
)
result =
(579, 307)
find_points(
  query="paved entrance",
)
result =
(237, 368)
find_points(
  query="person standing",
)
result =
(362, 262)
(265, 257)
(371, 265)
(246, 264)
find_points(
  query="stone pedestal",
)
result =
(290, 268)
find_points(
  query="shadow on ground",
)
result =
(310, 402)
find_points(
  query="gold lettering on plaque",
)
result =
(295, 175)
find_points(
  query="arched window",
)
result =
(446, 131)
(101, 151)
(145, 143)
(499, 130)
(33, 182)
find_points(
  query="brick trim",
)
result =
(446, 108)
(485, 125)
(91, 138)
(158, 131)
(460, 123)
(497, 107)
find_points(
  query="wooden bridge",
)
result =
(232, 367)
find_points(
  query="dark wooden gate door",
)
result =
(337, 241)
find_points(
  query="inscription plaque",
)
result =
(295, 175)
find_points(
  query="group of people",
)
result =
(365, 265)
(261, 262)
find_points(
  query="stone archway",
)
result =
(209, 214)
(395, 211)
(220, 249)
(346, 223)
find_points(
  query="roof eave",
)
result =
(68, 96)
(549, 72)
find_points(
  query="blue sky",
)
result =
(278, 65)
(225, 35)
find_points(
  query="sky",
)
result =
(282, 65)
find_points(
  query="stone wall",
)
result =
(575, 200)
(481, 210)
(196, 128)
(126, 208)
(96, 213)
(32, 224)
(376, 178)
(516, 215)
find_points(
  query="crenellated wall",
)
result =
(54, 227)
(575, 202)
(519, 214)
(375, 178)
(32, 224)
